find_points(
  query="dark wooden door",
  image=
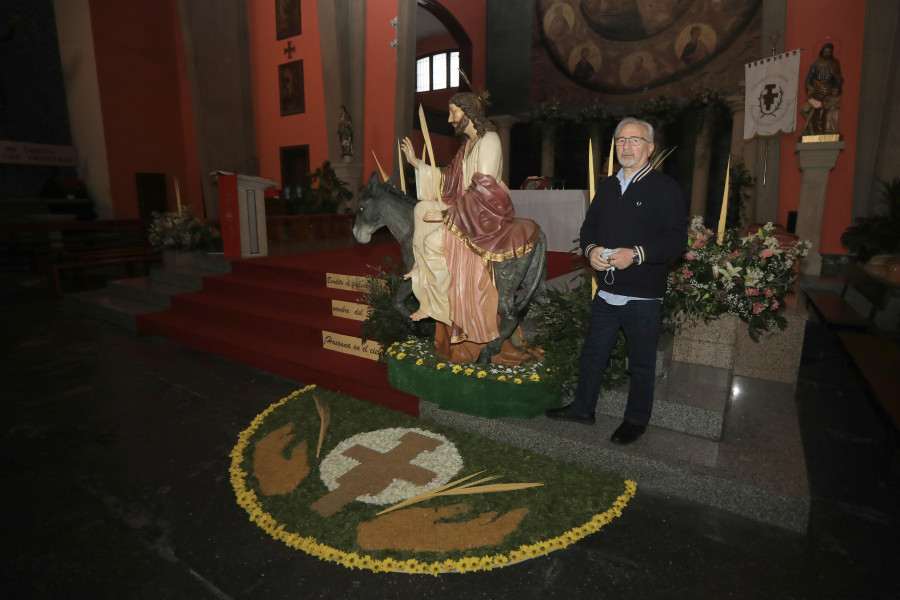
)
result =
(152, 195)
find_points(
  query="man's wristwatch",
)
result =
(635, 257)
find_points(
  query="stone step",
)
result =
(111, 308)
(186, 278)
(756, 470)
(143, 289)
(691, 399)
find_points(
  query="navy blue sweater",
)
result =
(650, 214)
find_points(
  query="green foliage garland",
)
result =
(561, 323)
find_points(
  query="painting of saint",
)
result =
(584, 62)
(287, 18)
(290, 88)
(558, 21)
(694, 44)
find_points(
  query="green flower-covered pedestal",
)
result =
(482, 390)
(724, 343)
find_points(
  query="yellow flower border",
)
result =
(401, 350)
(247, 499)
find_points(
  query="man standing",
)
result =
(638, 218)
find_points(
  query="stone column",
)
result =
(352, 173)
(504, 125)
(736, 105)
(700, 181)
(548, 149)
(744, 151)
(816, 161)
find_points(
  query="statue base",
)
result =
(467, 352)
(825, 137)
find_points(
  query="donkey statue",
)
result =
(383, 205)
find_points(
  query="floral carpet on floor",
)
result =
(319, 471)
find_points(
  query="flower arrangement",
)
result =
(744, 276)
(183, 232)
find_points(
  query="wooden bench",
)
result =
(82, 261)
(876, 361)
(834, 310)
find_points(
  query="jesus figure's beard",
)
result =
(459, 128)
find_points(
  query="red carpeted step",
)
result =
(287, 323)
(270, 312)
(359, 377)
(278, 293)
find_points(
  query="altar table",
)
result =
(560, 214)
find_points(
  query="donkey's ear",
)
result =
(372, 181)
(394, 179)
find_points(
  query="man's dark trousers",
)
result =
(639, 320)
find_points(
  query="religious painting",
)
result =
(629, 46)
(287, 18)
(290, 87)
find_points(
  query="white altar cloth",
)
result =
(560, 214)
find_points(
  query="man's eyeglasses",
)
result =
(632, 141)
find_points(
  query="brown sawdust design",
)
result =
(377, 470)
(418, 529)
(275, 473)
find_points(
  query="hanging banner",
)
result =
(770, 105)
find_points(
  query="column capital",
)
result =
(736, 103)
(818, 155)
(504, 121)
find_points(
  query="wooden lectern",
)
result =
(242, 210)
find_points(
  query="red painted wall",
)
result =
(471, 16)
(810, 24)
(190, 184)
(272, 130)
(380, 85)
(137, 48)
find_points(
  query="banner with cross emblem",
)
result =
(771, 95)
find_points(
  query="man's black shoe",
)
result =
(627, 433)
(568, 413)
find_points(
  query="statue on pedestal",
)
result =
(824, 88)
(465, 251)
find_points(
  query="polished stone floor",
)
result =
(114, 482)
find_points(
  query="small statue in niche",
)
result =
(824, 87)
(345, 134)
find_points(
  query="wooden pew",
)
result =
(84, 260)
(834, 310)
(876, 360)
